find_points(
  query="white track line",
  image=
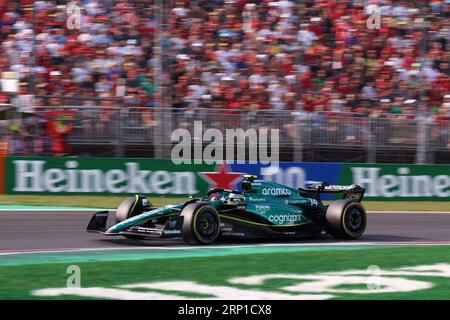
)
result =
(270, 245)
(172, 248)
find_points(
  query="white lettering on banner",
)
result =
(185, 183)
(159, 180)
(138, 183)
(366, 178)
(113, 179)
(401, 185)
(91, 181)
(311, 287)
(440, 184)
(26, 177)
(31, 176)
(52, 180)
(293, 177)
(421, 186)
(72, 176)
(387, 183)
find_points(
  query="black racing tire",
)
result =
(130, 207)
(124, 210)
(346, 219)
(201, 224)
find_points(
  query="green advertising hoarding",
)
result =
(399, 181)
(46, 175)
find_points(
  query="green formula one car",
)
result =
(262, 209)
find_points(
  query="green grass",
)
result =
(113, 201)
(78, 201)
(19, 281)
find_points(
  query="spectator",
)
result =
(264, 42)
(284, 55)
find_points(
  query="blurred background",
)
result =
(114, 78)
(92, 90)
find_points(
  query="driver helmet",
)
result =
(235, 198)
(215, 197)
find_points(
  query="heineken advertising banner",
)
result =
(2, 175)
(400, 182)
(381, 181)
(40, 175)
(103, 176)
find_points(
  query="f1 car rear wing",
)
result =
(352, 192)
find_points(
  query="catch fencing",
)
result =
(323, 136)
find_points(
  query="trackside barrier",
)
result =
(320, 136)
(2, 175)
(161, 177)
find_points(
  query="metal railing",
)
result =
(299, 133)
(357, 130)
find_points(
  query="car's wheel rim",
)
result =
(206, 224)
(354, 219)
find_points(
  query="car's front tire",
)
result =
(128, 208)
(346, 219)
(201, 224)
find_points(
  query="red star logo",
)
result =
(223, 178)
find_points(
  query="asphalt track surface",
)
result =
(65, 230)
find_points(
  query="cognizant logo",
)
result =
(285, 218)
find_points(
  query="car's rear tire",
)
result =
(346, 219)
(128, 208)
(201, 224)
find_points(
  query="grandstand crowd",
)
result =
(233, 54)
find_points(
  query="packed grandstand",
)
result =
(238, 55)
